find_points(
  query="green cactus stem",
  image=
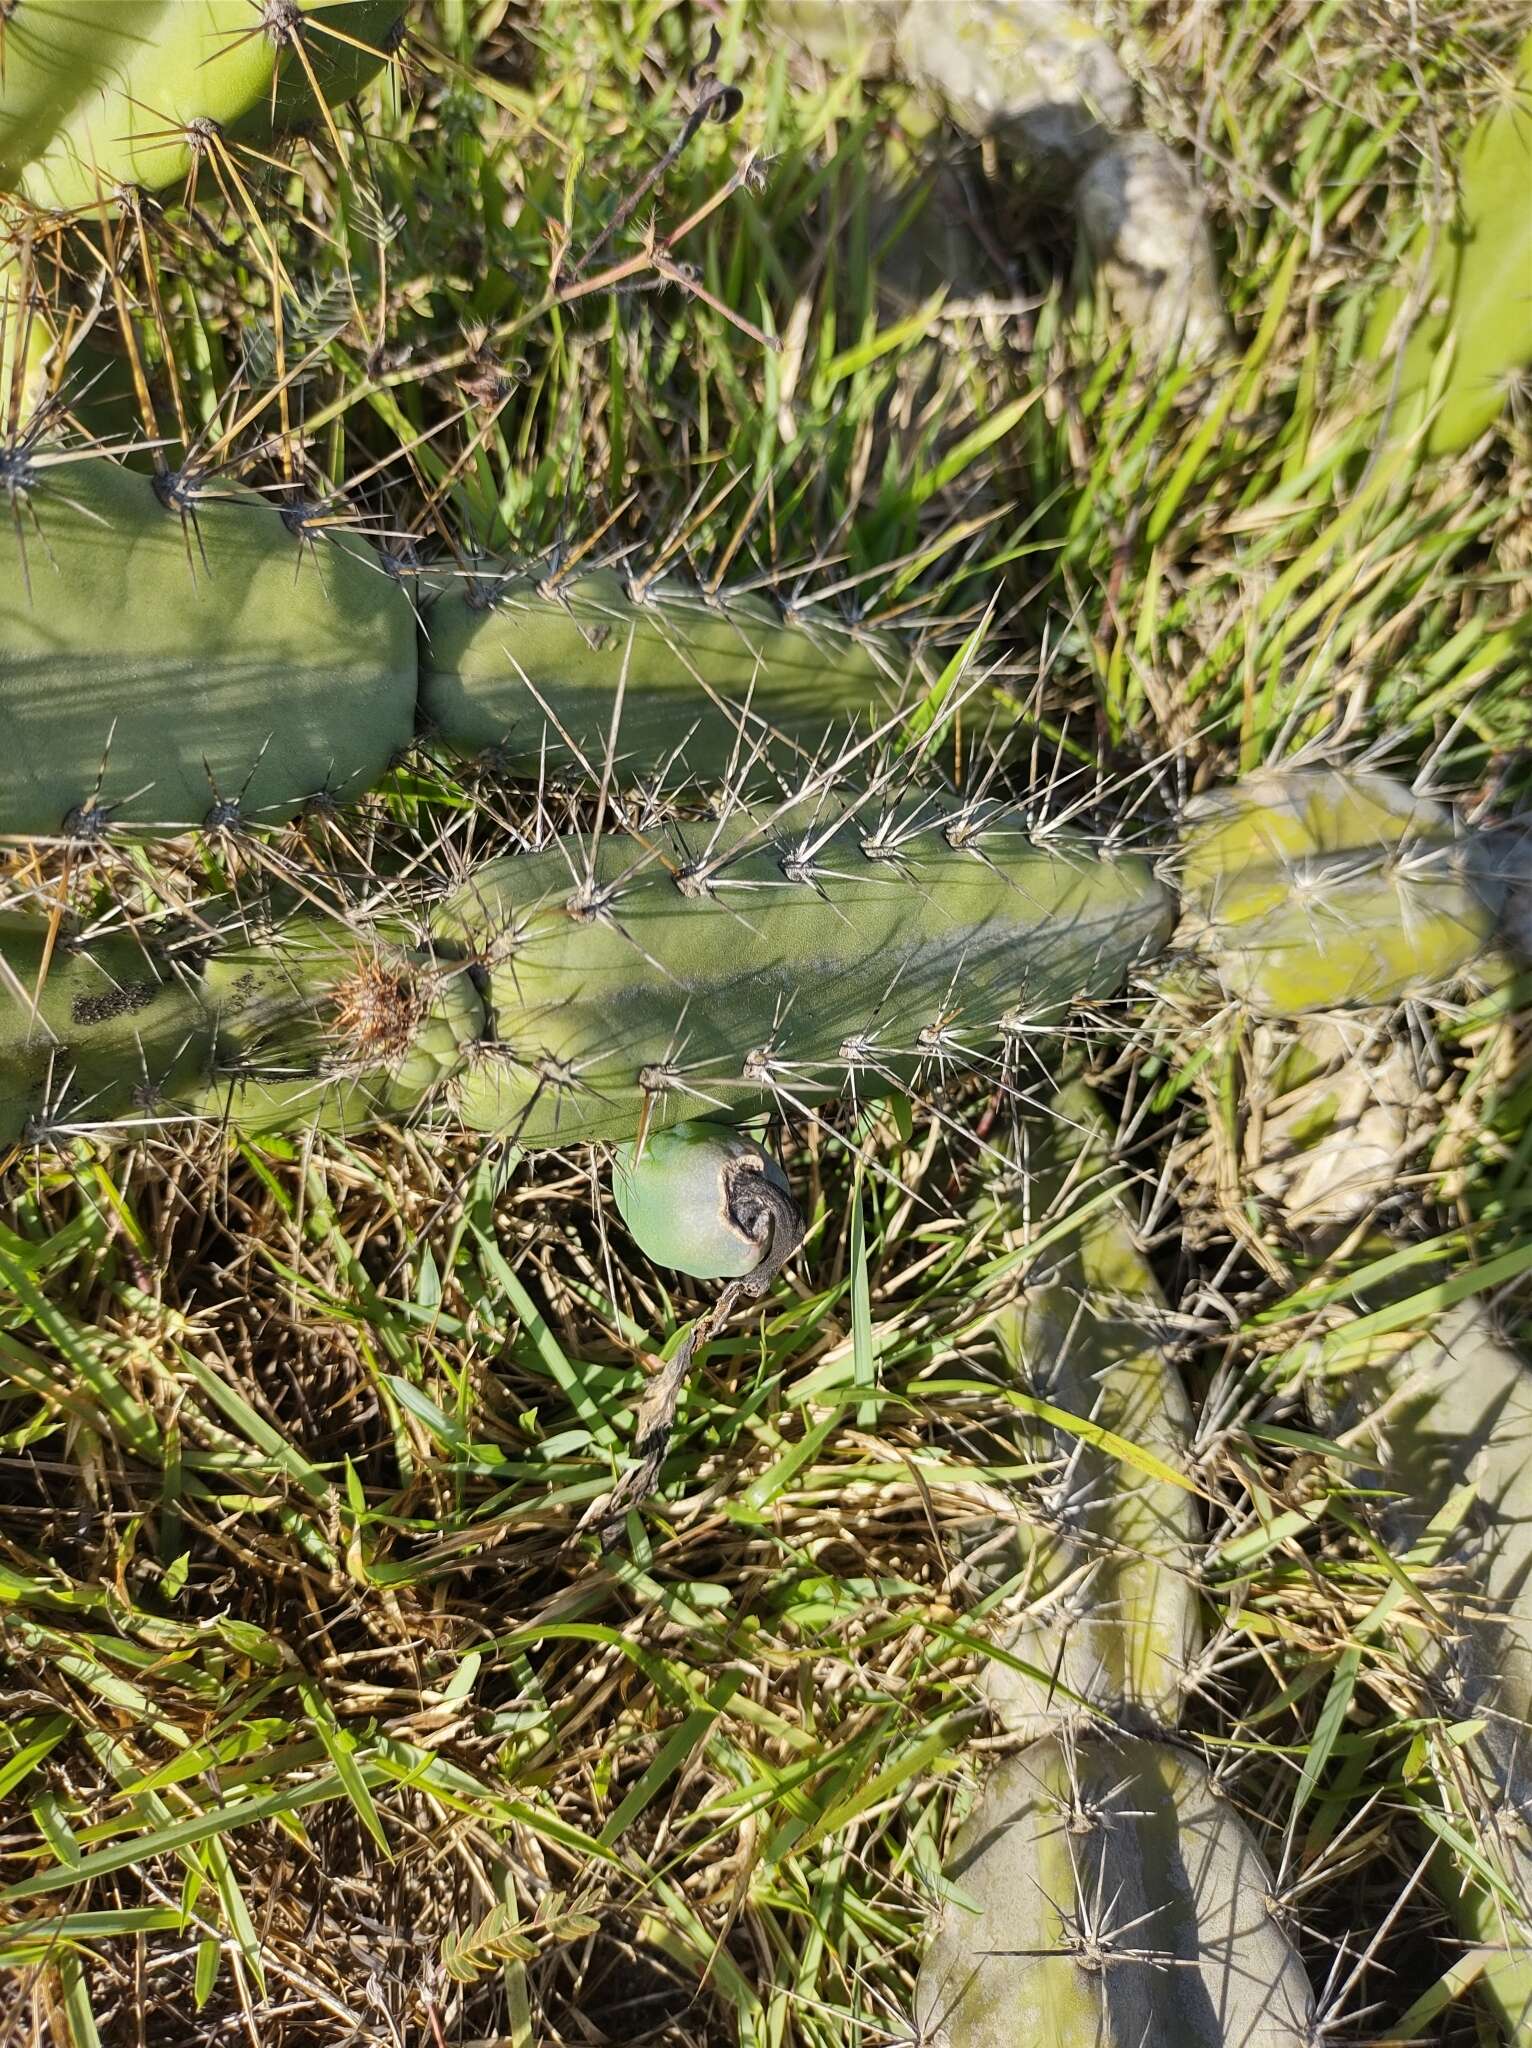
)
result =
(1468, 298)
(713, 968)
(1318, 889)
(180, 652)
(550, 677)
(303, 1026)
(104, 1034)
(1112, 1616)
(1106, 1896)
(96, 95)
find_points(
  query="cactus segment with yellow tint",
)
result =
(1104, 1895)
(552, 677)
(1318, 889)
(715, 968)
(703, 1198)
(97, 95)
(1111, 1621)
(1469, 287)
(179, 652)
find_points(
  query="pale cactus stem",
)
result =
(1039, 79)
(1439, 1412)
(1112, 1622)
(1448, 1418)
(1103, 1895)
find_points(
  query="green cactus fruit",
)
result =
(175, 655)
(1107, 1897)
(1453, 1410)
(322, 1028)
(96, 95)
(1318, 889)
(1112, 1615)
(713, 968)
(1470, 288)
(535, 675)
(703, 1198)
(99, 1032)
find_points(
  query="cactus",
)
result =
(1470, 293)
(1314, 889)
(535, 673)
(1446, 1416)
(1112, 1615)
(304, 1025)
(704, 1199)
(794, 956)
(713, 968)
(96, 95)
(180, 651)
(1450, 1411)
(1107, 1897)
(1038, 78)
(110, 1029)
